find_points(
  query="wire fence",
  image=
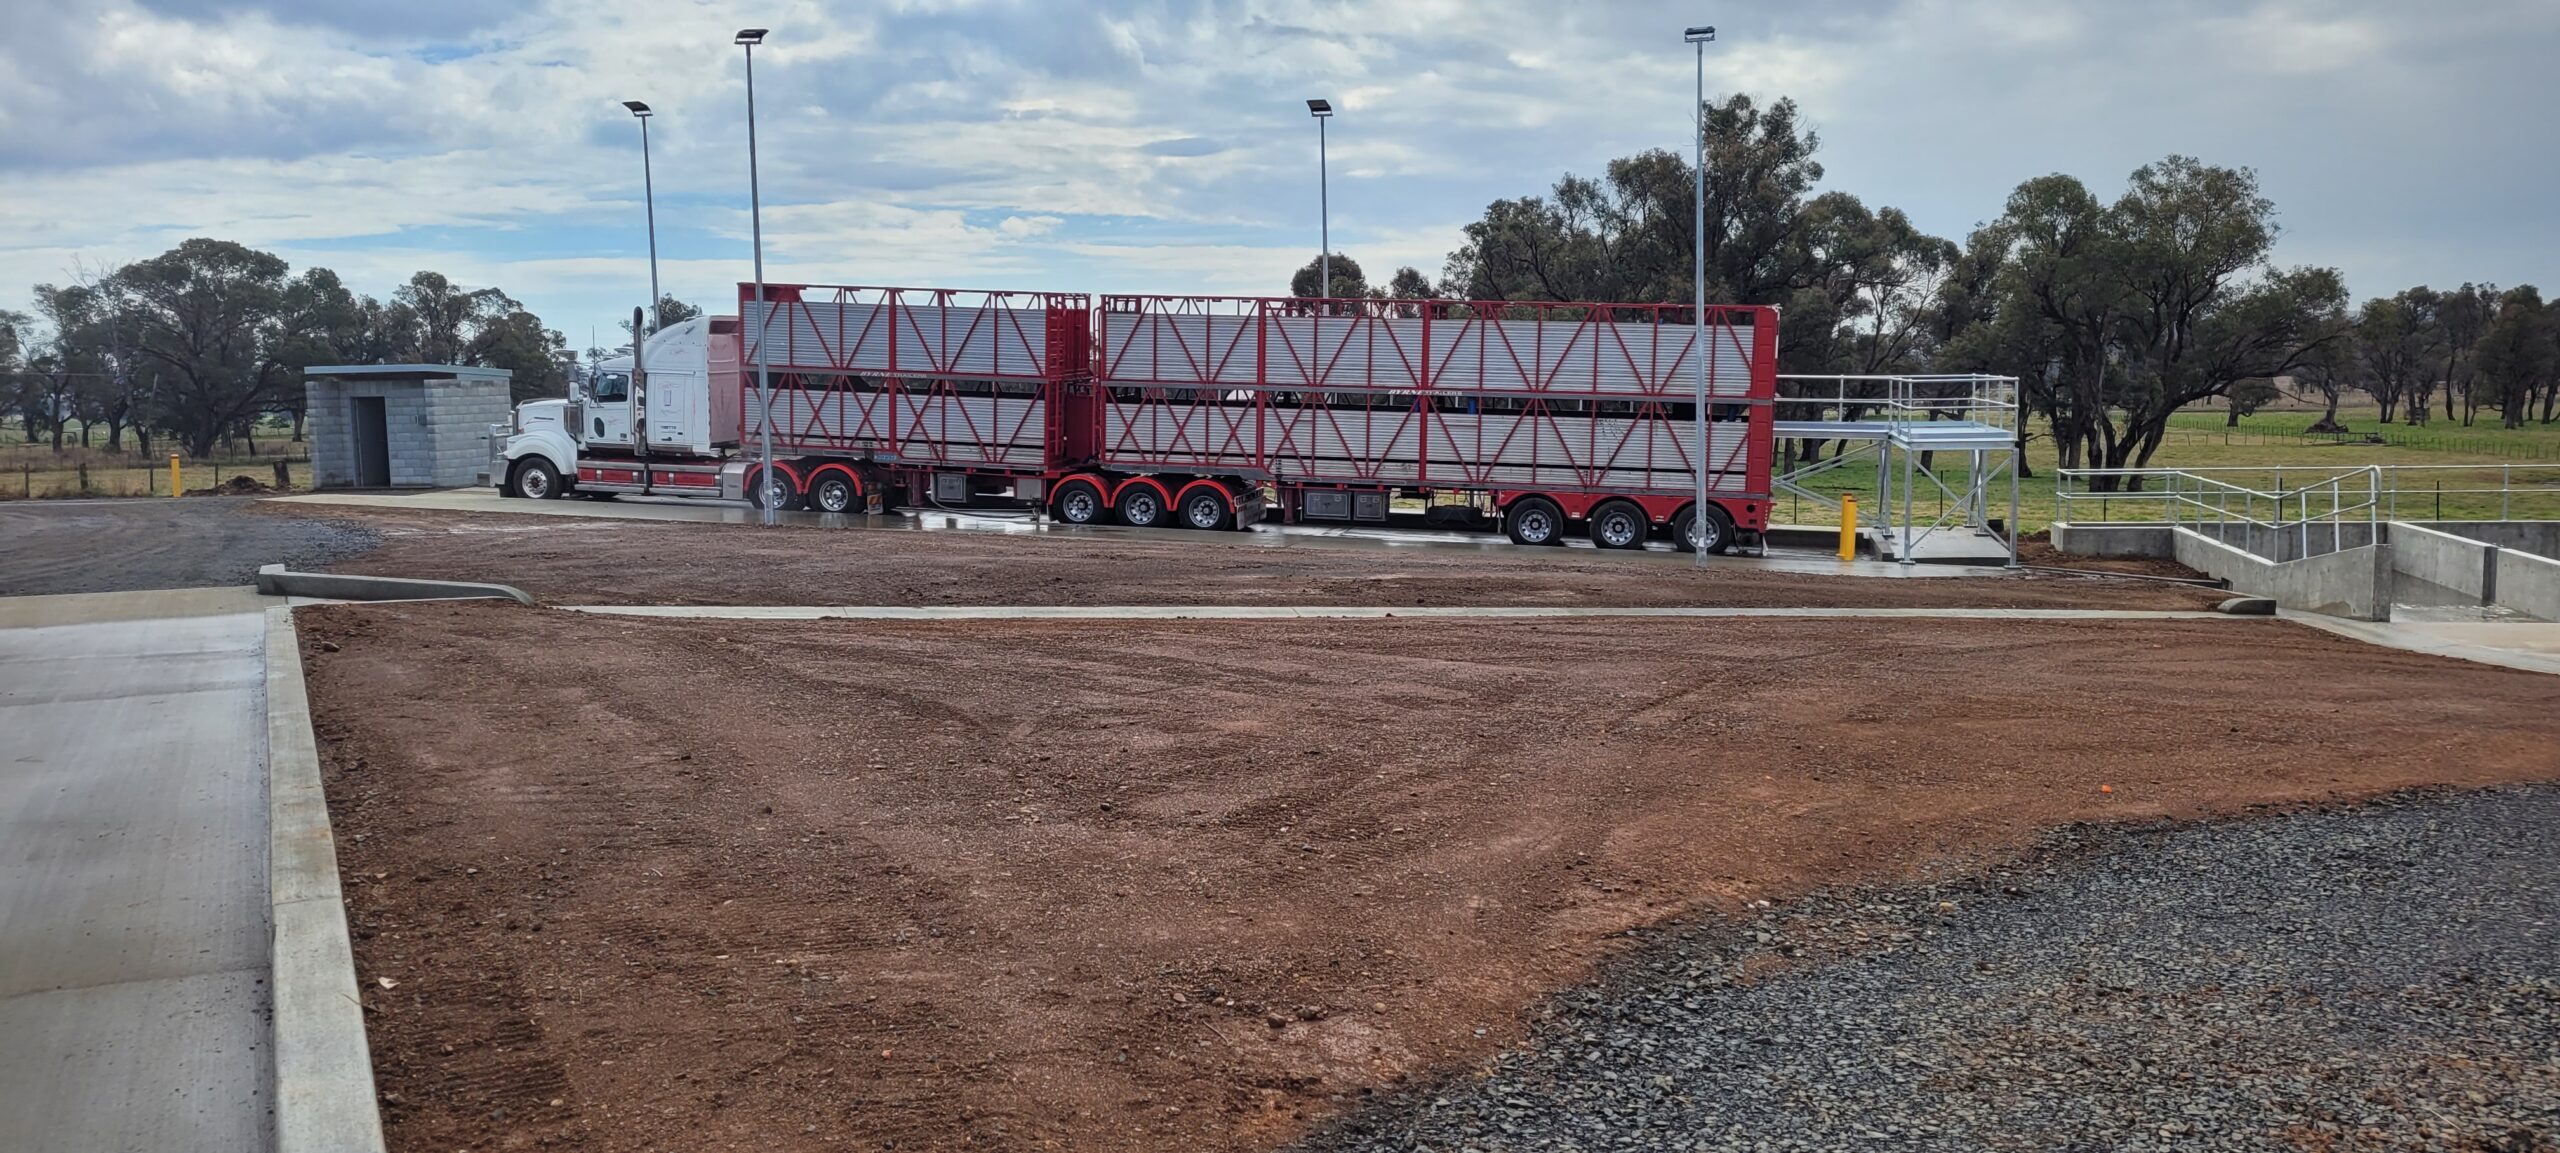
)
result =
(32, 476)
(2421, 438)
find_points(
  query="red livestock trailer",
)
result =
(916, 396)
(1542, 415)
(1196, 411)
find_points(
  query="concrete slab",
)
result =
(1821, 562)
(2530, 646)
(93, 608)
(133, 879)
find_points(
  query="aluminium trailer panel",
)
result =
(924, 378)
(1592, 399)
(1618, 351)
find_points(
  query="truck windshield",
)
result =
(612, 386)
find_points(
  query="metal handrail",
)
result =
(1991, 400)
(2531, 482)
(2190, 496)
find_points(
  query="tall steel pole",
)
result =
(1322, 110)
(1698, 338)
(649, 193)
(749, 38)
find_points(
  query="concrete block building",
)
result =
(403, 425)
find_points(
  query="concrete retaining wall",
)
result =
(2529, 584)
(2113, 540)
(2539, 537)
(2153, 540)
(2353, 583)
(2466, 566)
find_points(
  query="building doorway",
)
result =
(372, 441)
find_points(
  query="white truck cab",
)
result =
(661, 423)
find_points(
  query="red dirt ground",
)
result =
(633, 885)
(571, 560)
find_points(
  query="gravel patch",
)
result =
(2380, 977)
(95, 546)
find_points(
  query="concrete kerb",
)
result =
(324, 1090)
(275, 580)
(1347, 612)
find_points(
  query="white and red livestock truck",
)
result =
(1197, 412)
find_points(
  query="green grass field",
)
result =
(2526, 458)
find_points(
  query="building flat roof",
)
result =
(411, 371)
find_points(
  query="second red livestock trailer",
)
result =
(1545, 416)
(1198, 411)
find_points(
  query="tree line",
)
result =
(2112, 313)
(202, 342)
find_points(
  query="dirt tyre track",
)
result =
(94, 546)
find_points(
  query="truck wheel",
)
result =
(833, 493)
(778, 493)
(1714, 534)
(1534, 520)
(1142, 507)
(1206, 508)
(1079, 503)
(1618, 524)
(535, 478)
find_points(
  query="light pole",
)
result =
(1322, 110)
(649, 191)
(1701, 37)
(749, 38)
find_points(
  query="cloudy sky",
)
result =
(1133, 145)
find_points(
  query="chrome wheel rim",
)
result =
(1535, 527)
(534, 482)
(1206, 512)
(1079, 506)
(834, 496)
(1618, 529)
(1143, 510)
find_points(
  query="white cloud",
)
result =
(1164, 146)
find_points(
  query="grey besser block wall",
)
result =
(437, 431)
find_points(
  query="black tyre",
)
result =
(1619, 524)
(1079, 502)
(1207, 508)
(778, 493)
(1714, 533)
(1534, 521)
(535, 479)
(834, 492)
(1141, 506)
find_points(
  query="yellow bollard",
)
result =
(1849, 526)
(175, 489)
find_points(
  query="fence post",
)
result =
(2506, 488)
(284, 477)
(84, 477)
